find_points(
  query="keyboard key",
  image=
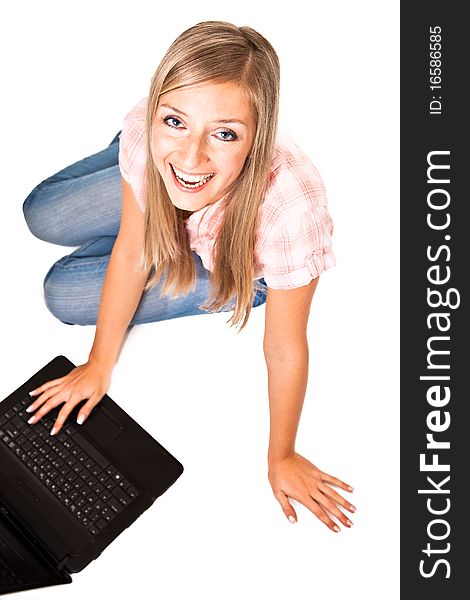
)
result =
(92, 498)
(124, 484)
(92, 515)
(98, 488)
(121, 495)
(115, 505)
(108, 514)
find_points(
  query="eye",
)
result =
(227, 136)
(173, 122)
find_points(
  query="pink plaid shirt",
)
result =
(294, 236)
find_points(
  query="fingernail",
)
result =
(348, 523)
(31, 420)
(29, 409)
(351, 489)
(291, 518)
(80, 419)
(352, 508)
(32, 393)
(53, 430)
(336, 528)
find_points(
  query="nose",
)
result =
(194, 153)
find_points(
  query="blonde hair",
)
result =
(215, 51)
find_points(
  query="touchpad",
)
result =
(103, 426)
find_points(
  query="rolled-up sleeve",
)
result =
(132, 157)
(296, 242)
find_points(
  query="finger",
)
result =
(336, 481)
(331, 493)
(313, 506)
(43, 398)
(46, 386)
(50, 403)
(327, 504)
(286, 506)
(86, 409)
(64, 413)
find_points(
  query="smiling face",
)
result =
(201, 137)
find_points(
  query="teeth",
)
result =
(191, 185)
(191, 180)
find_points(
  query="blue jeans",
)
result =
(81, 206)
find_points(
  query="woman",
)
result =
(218, 213)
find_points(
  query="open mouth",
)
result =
(191, 182)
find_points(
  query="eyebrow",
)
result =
(235, 120)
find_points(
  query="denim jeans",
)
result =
(81, 206)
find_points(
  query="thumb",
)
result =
(287, 507)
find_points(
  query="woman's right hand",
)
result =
(88, 382)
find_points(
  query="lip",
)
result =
(189, 190)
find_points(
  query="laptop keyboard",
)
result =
(75, 472)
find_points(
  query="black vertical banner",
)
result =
(435, 342)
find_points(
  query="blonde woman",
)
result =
(197, 205)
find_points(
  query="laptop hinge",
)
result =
(63, 561)
(31, 540)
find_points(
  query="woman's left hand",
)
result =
(298, 478)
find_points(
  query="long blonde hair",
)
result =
(215, 51)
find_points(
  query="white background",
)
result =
(70, 72)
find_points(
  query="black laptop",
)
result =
(64, 498)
